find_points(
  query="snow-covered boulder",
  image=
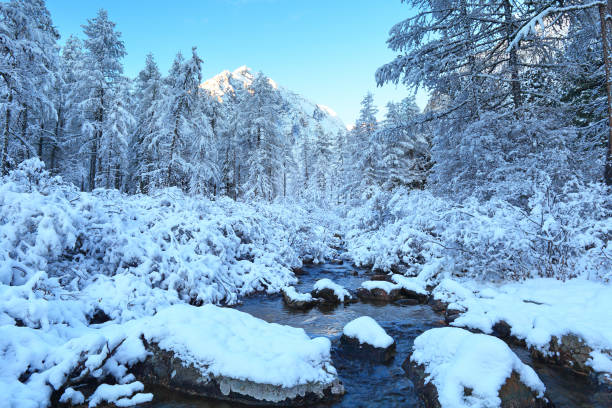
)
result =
(230, 355)
(365, 338)
(452, 367)
(552, 318)
(331, 292)
(379, 291)
(295, 300)
(396, 288)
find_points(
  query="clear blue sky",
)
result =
(326, 50)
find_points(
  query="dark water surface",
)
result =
(368, 384)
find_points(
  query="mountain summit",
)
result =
(306, 111)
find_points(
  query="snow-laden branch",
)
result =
(531, 25)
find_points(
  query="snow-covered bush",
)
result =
(133, 254)
(560, 235)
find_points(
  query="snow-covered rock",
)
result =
(364, 338)
(562, 322)
(295, 300)
(204, 351)
(400, 287)
(331, 292)
(367, 331)
(454, 368)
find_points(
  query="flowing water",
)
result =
(368, 384)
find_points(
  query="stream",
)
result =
(368, 384)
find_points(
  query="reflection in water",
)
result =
(367, 384)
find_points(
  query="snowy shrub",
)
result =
(560, 235)
(129, 255)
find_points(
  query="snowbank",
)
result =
(538, 309)
(455, 360)
(368, 331)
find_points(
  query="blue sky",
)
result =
(326, 50)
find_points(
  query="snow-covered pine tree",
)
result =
(118, 127)
(404, 151)
(149, 92)
(29, 64)
(184, 139)
(97, 82)
(259, 112)
(322, 156)
(365, 150)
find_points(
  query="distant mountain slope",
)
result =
(299, 110)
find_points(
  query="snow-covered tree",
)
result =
(259, 116)
(404, 150)
(28, 65)
(97, 81)
(149, 92)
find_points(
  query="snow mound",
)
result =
(456, 359)
(368, 331)
(341, 293)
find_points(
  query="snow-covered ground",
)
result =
(538, 309)
(455, 359)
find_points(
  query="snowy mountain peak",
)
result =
(226, 81)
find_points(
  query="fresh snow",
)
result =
(122, 395)
(338, 290)
(216, 340)
(384, 285)
(537, 309)
(66, 255)
(401, 282)
(294, 295)
(368, 331)
(220, 340)
(456, 359)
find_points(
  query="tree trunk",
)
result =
(172, 148)
(513, 57)
(603, 12)
(7, 128)
(93, 157)
(52, 162)
(24, 131)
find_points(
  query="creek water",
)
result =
(368, 384)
